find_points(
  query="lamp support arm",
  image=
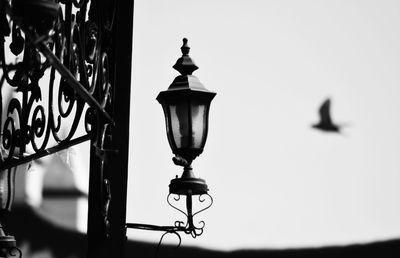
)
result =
(155, 227)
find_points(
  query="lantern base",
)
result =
(7, 241)
(188, 183)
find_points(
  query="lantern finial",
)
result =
(185, 47)
(185, 65)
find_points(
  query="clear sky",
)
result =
(275, 181)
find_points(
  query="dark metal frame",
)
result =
(88, 45)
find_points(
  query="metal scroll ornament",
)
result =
(190, 227)
(56, 64)
(55, 84)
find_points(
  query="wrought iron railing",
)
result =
(60, 75)
(64, 42)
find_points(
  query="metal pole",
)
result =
(112, 171)
(116, 169)
(96, 231)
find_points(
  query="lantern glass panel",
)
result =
(199, 117)
(180, 124)
(167, 113)
(188, 124)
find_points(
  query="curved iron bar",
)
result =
(207, 207)
(194, 231)
(168, 230)
(175, 207)
(159, 243)
(18, 252)
(189, 227)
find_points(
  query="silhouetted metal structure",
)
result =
(69, 60)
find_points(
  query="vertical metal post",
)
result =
(96, 231)
(116, 169)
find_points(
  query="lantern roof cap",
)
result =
(185, 64)
(186, 85)
(187, 82)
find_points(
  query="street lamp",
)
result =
(186, 104)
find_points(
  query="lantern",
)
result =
(186, 104)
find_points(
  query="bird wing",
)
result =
(324, 113)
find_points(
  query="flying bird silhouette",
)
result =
(325, 121)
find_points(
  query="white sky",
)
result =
(275, 181)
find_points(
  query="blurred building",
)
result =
(56, 187)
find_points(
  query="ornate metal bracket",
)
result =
(180, 226)
(189, 227)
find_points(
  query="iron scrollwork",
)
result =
(15, 252)
(189, 226)
(66, 49)
(56, 77)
